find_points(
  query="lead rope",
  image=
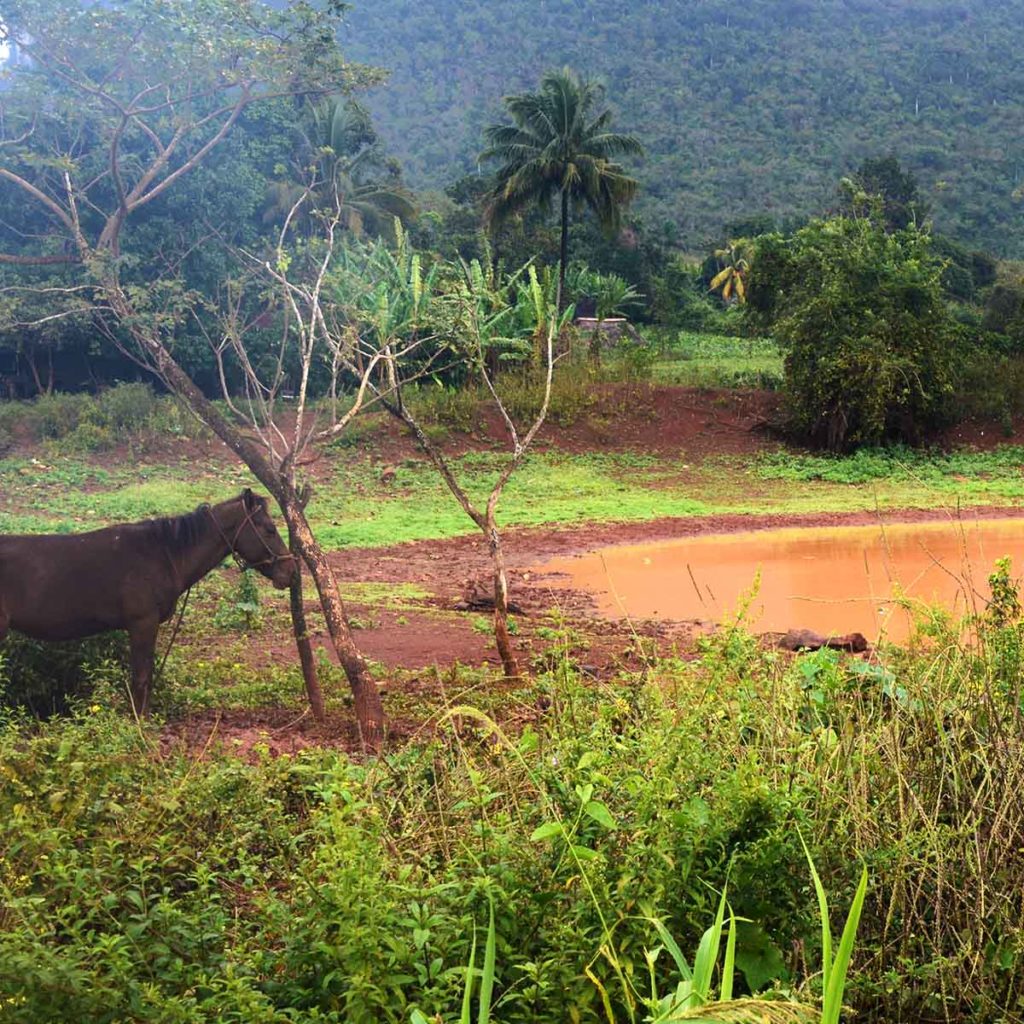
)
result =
(158, 674)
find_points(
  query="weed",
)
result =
(241, 610)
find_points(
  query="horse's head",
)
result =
(255, 540)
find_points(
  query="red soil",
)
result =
(425, 644)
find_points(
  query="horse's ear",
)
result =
(252, 501)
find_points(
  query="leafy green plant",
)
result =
(833, 971)
(241, 610)
(871, 347)
(696, 984)
(486, 975)
(48, 678)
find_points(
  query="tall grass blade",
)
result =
(487, 979)
(673, 949)
(729, 966)
(605, 1001)
(826, 927)
(466, 1016)
(832, 1001)
(707, 956)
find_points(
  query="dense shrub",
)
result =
(682, 301)
(871, 347)
(46, 678)
(1004, 311)
(154, 886)
(88, 423)
(991, 386)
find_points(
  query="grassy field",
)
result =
(144, 878)
(352, 506)
(718, 361)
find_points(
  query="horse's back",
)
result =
(63, 586)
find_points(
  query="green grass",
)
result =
(69, 493)
(352, 508)
(552, 487)
(717, 361)
(944, 470)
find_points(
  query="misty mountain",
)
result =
(744, 108)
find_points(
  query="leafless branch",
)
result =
(88, 310)
(38, 194)
(17, 139)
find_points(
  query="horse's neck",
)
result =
(209, 550)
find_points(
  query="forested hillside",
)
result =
(743, 108)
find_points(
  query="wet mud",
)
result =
(833, 579)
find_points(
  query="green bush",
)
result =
(128, 408)
(57, 415)
(990, 386)
(682, 301)
(872, 350)
(46, 678)
(87, 437)
(86, 423)
(450, 407)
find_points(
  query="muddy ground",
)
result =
(418, 645)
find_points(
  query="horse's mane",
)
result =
(178, 533)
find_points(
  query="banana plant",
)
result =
(732, 278)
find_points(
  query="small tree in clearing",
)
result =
(309, 331)
(479, 312)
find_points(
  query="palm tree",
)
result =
(558, 145)
(339, 147)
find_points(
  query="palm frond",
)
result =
(614, 144)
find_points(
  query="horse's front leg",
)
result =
(142, 642)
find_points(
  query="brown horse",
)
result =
(68, 586)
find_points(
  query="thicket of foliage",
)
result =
(871, 346)
(762, 105)
(151, 886)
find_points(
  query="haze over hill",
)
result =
(743, 108)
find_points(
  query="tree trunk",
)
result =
(313, 692)
(30, 358)
(501, 635)
(563, 256)
(368, 707)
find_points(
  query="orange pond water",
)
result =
(828, 579)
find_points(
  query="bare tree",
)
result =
(274, 406)
(132, 105)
